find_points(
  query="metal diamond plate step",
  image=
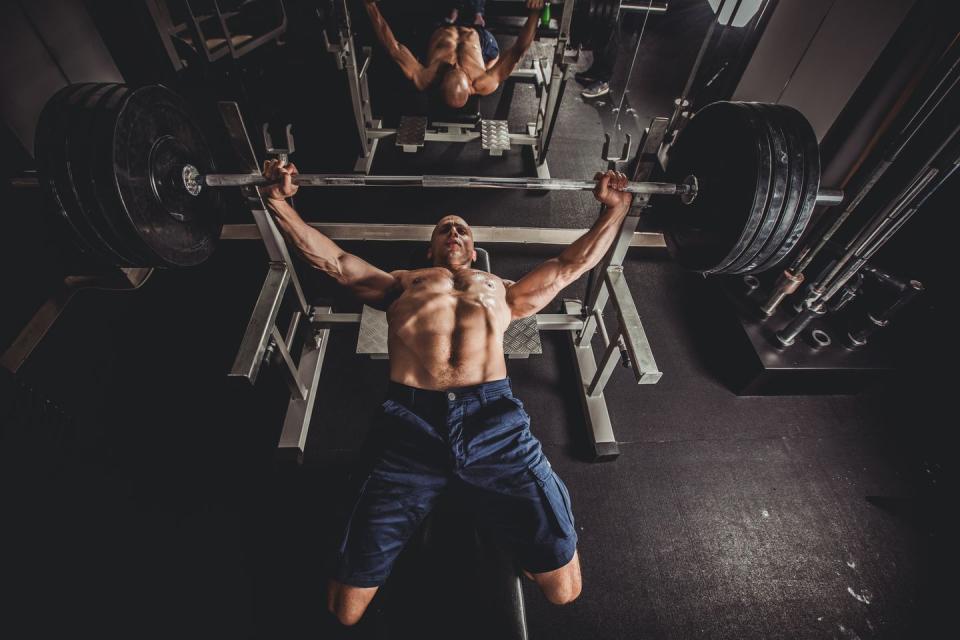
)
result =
(494, 136)
(411, 133)
(521, 339)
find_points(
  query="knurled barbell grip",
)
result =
(452, 182)
(688, 188)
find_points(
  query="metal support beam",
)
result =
(262, 322)
(595, 412)
(597, 294)
(631, 328)
(422, 233)
(297, 388)
(272, 238)
(296, 423)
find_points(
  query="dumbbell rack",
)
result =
(263, 341)
(411, 134)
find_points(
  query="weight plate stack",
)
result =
(112, 160)
(728, 152)
(776, 195)
(795, 122)
(793, 168)
(52, 150)
(154, 138)
(83, 143)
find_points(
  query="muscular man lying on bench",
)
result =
(451, 421)
(461, 60)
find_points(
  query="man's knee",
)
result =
(348, 603)
(564, 591)
(348, 616)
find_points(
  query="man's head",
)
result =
(451, 244)
(454, 87)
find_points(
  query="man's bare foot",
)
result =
(479, 21)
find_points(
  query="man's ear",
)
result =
(473, 256)
(430, 253)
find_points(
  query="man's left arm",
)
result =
(535, 290)
(488, 82)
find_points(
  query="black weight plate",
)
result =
(796, 173)
(55, 177)
(723, 148)
(80, 141)
(103, 125)
(779, 176)
(153, 138)
(77, 124)
(811, 184)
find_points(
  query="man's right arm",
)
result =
(367, 283)
(494, 77)
(420, 76)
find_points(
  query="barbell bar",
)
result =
(193, 181)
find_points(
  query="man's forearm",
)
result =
(316, 248)
(526, 34)
(587, 250)
(382, 29)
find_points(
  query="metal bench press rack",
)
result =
(264, 341)
(413, 132)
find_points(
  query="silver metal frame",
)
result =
(607, 282)
(423, 232)
(550, 80)
(263, 341)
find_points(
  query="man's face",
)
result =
(452, 243)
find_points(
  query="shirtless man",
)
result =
(461, 60)
(451, 422)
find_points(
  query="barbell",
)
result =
(133, 183)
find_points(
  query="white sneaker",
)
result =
(596, 90)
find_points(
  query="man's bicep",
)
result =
(500, 71)
(537, 289)
(409, 64)
(366, 282)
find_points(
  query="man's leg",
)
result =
(560, 586)
(347, 602)
(597, 77)
(406, 478)
(510, 485)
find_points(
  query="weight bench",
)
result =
(452, 580)
(464, 125)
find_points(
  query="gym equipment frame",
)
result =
(264, 341)
(412, 132)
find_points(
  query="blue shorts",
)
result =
(489, 47)
(473, 441)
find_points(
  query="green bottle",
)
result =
(545, 16)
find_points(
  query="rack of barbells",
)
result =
(129, 179)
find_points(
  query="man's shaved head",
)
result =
(455, 87)
(451, 244)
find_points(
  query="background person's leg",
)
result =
(597, 77)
